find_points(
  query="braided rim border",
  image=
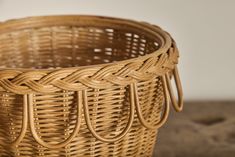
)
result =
(25, 81)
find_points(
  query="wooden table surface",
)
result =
(203, 129)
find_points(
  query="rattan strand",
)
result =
(84, 86)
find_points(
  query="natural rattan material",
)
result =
(84, 86)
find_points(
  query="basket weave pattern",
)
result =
(84, 86)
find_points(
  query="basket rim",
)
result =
(33, 21)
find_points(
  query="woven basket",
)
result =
(84, 86)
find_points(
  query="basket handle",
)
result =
(123, 133)
(69, 139)
(24, 123)
(178, 106)
(164, 115)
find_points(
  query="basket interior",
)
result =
(69, 46)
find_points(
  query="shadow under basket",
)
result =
(80, 86)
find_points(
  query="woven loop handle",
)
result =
(178, 106)
(166, 110)
(24, 123)
(124, 132)
(69, 139)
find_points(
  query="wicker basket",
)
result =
(84, 86)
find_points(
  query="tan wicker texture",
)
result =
(84, 86)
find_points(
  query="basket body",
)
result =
(82, 86)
